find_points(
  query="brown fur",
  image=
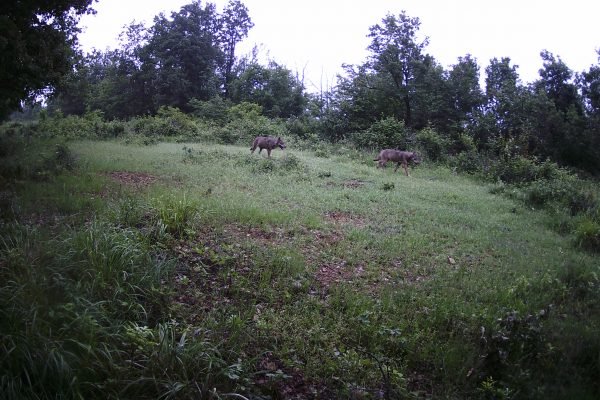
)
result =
(397, 156)
(267, 142)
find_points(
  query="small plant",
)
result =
(587, 234)
(388, 186)
(176, 213)
(290, 162)
(264, 166)
(190, 156)
(323, 153)
(64, 157)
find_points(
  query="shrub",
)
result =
(514, 170)
(587, 234)
(385, 133)
(168, 122)
(583, 200)
(303, 128)
(462, 143)
(321, 152)
(290, 162)
(264, 165)
(522, 170)
(567, 191)
(469, 162)
(544, 191)
(244, 130)
(216, 109)
(172, 122)
(432, 143)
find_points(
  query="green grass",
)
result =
(223, 273)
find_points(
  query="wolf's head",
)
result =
(280, 143)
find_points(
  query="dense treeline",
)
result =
(188, 61)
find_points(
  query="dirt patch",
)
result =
(344, 218)
(413, 278)
(137, 180)
(309, 242)
(354, 183)
(284, 382)
(204, 273)
(269, 236)
(337, 271)
(350, 184)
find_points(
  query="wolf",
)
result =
(267, 142)
(399, 157)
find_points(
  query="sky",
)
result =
(315, 37)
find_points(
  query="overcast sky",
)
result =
(317, 36)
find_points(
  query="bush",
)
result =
(290, 162)
(522, 170)
(544, 191)
(172, 122)
(216, 109)
(386, 133)
(432, 144)
(462, 143)
(469, 162)
(245, 130)
(587, 234)
(168, 122)
(572, 194)
(304, 129)
(321, 152)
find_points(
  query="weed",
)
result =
(176, 213)
(265, 166)
(587, 234)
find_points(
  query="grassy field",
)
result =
(186, 270)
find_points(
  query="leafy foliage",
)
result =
(36, 47)
(274, 88)
(388, 133)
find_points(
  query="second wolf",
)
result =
(397, 156)
(267, 142)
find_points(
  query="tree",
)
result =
(235, 23)
(431, 97)
(37, 40)
(568, 142)
(465, 93)
(274, 88)
(182, 56)
(396, 52)
(556, 82)
(589, 82)
(502, 91)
